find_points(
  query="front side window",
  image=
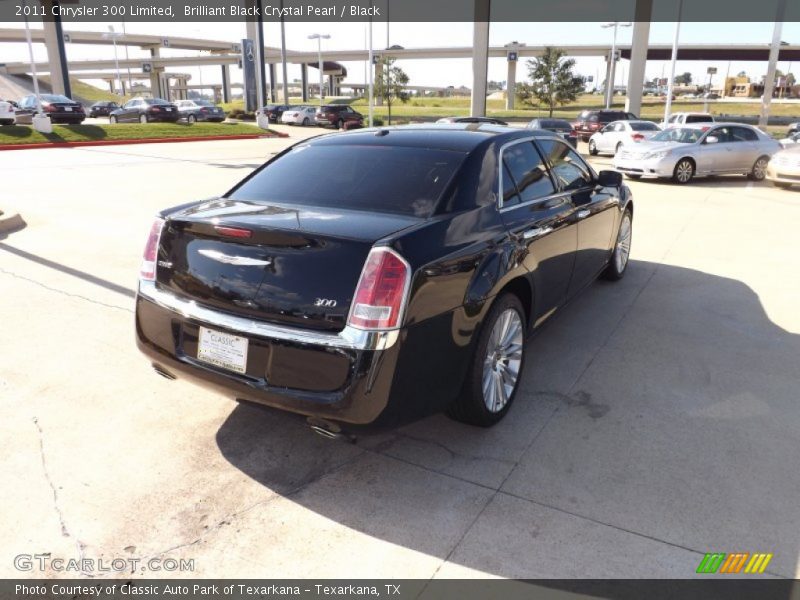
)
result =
(568, 168)
(528, 171)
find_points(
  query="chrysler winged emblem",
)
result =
(241, 261)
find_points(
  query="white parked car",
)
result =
(790, 141)
(783, 169)
(8, 114)
(687, 118)
(617, 134)
(299, 115)
(684, 152)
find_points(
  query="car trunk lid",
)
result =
(295, 266)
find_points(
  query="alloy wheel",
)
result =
(684, 171)
(760, 169)
(503, 359)
(623, 249)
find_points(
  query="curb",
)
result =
(10, 222)
(206, 138)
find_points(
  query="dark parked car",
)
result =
(60, 109)
(410, 290)
(559, 126)
(337, 115)
(102, 109)
(200, 110)
(489, 120)
(589, 121)
(274, 111)
(145, 110)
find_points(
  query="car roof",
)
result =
(459, 137)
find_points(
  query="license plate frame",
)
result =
(225, 350)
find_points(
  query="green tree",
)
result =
(553, 81)
(684, 78)
(390, 82)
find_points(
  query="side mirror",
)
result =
(609, 179)
(712, 139)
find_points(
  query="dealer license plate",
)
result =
(68, 108)
(222, 349)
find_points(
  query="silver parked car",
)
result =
(615, 135)
(696, 150)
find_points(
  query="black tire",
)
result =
(592, 148)
(143, 119)
(619, 145)
(616, 268)
(191, 119)
(340, 124)
(759, 170)
(112, 120)
(684, 171)
(781, 184)
(471, 407)
(305, 122)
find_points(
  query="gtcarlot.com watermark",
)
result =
(91, 566)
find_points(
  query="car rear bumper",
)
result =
(353, 377)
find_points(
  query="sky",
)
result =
(455, 72)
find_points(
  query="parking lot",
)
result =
(658, 418)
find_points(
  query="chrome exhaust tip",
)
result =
(329, 430)
(163, 372)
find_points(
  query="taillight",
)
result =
(637, 137)
(573, 133)
(381, 292)
(237, 232)
(147, 272)
(48, 107)
(155, 109)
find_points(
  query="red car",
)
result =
(337, 115)
(590, 121)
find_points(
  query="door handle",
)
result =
(536, 232)
(582, 214)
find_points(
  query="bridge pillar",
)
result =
(641, 35)
(480, 58)
(252, 29)
(226, 83)
(769, 82)
(56, 55)
(511, 84)
(304, 81)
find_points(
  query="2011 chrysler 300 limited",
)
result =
(401, 283)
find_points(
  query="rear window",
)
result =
(158, 101)
(607, 117)
(554, 124)
(390, 179)
(644, 126)
(54, 98)
(699, 118)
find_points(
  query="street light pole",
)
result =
(371, 70)
(612, 68)
(671, 82)
(319, 37)
(114, 35)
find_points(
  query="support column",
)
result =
(609, 87)
(511, 84)
(226, 83)
(304, 81)
(56, 56)
(273, 85)
(252, 34)
(769, 82)
(480, 58)
(641, 37)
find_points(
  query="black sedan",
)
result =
(59, 108)
(145, 110)
(410, 290)
(200, 110)
(559, 126)
(102, 109)
(274, 111)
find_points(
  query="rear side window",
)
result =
(528, 170)
(389, 179)
(699, 119)
(568, 168)
(644, 126)
(742, 134)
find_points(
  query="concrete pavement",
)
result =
(657, 419)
